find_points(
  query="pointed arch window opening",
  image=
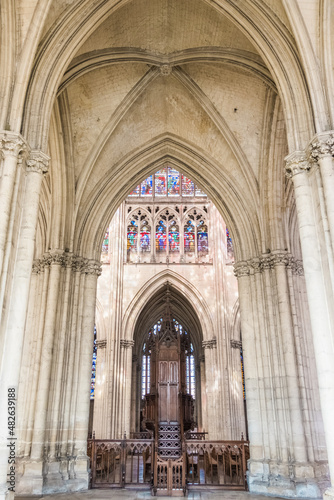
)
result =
(167, 182)
(146, 359)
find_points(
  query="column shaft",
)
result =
(316, 291)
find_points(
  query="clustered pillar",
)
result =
(280, 462)
(315, 211)
(57, 363)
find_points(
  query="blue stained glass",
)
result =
(173, 182)
(93, 376)
(146, 186)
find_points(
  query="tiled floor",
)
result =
(118, 494)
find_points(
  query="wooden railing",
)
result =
(124, 462)
(116, 463)
(218, 463)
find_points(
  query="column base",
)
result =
(289, 480)
(30, 478)
(54, 476)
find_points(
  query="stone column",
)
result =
(37, 166)
(280, 261)
(11, 145)
(54, 260)
(297, 168)
(134, 395)
(125, 374)
(210, 347)
(322, 151)
(92, 271)
(254, 416)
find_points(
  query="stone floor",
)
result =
(127, 494)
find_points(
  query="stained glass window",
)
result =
(199, 192)
(145, 237)
(160, 237)
(229, 246)
(93, 376)
(189, 236)
(173, 182)
(242, 374)
(105, 247)
(160, 180)
(132, 235)
(190, 372)
(167, 182)
(146, 186)
(187, 186)
(174, 237)
(135, 192)
(202, 239)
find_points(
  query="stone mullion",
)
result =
(223, 402)
(203, 394)
(297, 167)
(11, 145)
(210, 377)
(254, 413)
(133, 393)
(113, 416)
(59, 362)
(264, 367)
(276, 364)
(290, 359)
(127, 377)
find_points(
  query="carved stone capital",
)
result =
(296, 163)
(78, 263)
(256, 265)
(12, 144)
(209, 344)
(297, 267)
(38, 162)
(322, 145)
(92, 267)
(281, 259)
(126, 344)
(241, 268)
(36, 266)
(101, 344)
(236, 344)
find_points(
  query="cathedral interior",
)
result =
(166, 247)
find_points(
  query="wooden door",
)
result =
(168, 391)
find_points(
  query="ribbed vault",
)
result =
(182, 310)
